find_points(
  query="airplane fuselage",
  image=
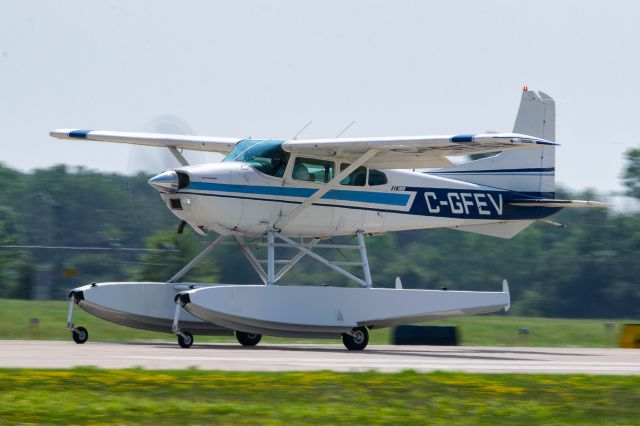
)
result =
(233, 196)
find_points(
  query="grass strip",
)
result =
(93, 396)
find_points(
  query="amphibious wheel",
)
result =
(185, 339)
(80, 335)
(357, 340)
(248, 339)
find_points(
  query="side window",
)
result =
(376, 177)
(357, 178)
(312, 170)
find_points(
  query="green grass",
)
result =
(499, 330)
(85, 396)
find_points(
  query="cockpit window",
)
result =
(266, 156)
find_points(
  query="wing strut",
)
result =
(183, 161)
(326, 188)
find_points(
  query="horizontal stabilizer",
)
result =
(553, 203)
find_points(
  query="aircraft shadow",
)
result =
(452, 352)
(462, 353)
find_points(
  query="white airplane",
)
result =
(298, 193)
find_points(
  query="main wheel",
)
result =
(248, 339)
(357, 340)
(185, 339)
(80, 335)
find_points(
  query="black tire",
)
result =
(80, 335)
(357, 340)
(248, 339)
(185, 339)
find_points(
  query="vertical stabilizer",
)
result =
(529, 171)
(536, 116)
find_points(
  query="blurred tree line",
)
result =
(588, 269)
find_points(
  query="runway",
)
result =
(305, 357)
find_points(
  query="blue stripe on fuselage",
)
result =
(419, 207)
(385, 198)
(252, 189)
(368, 197)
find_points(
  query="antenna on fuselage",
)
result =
(302, 130)
(345, 129)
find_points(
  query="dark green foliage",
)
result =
(9, 261)
(589, 269)
(78, 208)
(631, 174)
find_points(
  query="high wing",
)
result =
(412, 152)
(390, 152)
(197, 143)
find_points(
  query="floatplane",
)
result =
(296, 194)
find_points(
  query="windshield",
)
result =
(266, 156)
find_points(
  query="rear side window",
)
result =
(313, 170)
(376, 177)
(357, 178)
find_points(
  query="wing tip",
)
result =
(69, 133)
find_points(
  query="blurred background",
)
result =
(72, 213)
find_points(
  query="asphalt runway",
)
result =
(306, 357)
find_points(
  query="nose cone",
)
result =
(165, 182)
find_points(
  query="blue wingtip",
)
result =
(462, 138)
(80, 134)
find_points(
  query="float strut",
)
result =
(271, 259)
(175, 327)
(72, 304)
(364, 259)
(196, 260)
(323, 260)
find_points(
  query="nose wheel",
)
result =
(357, 340)
(185, 339)
(80, 335)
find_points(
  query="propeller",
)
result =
(154, 161)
